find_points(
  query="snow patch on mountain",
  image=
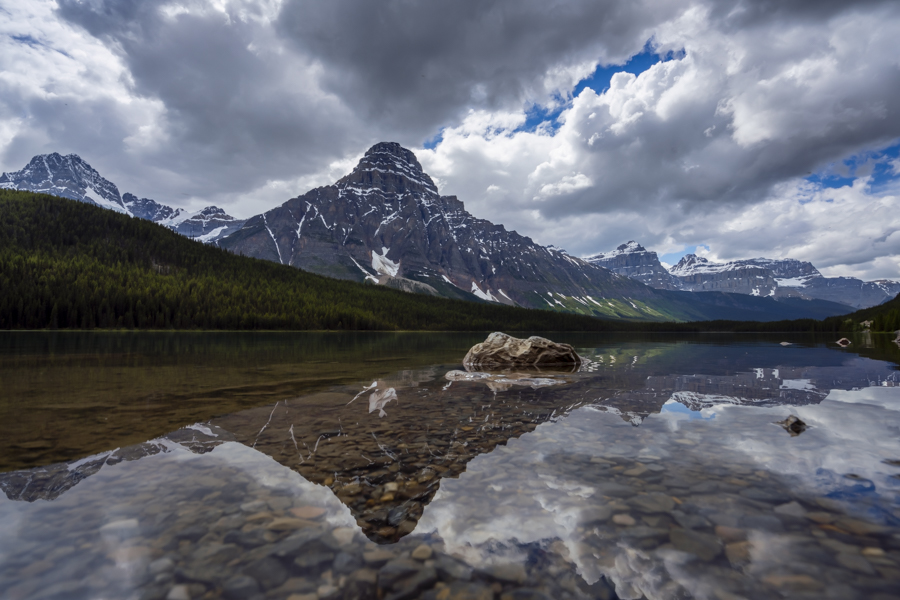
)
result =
(691, 264)
(793, 282)
(104, 203)
(630, 247)
(382, 264)
(485, 295)
(212, 235)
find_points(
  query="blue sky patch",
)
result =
(538, 116)
(637, 64)
(877, 164)
(431, 144)
(671, 406)
(673, 257)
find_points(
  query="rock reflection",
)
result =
(384, 450)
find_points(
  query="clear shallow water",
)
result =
(316, 466)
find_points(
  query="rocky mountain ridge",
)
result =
(71, 177)
(634, 261)
(777, 278)
(386, 223)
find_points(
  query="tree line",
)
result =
(72, 265)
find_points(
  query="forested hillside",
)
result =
(67, 264)
(884, 317)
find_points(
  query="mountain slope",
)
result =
(73, 178)
(73, 265)
(386, 223)
(885, 317)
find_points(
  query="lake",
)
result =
(311, 466)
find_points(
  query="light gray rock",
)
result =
(501, 350)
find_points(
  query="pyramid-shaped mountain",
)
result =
(386, 223)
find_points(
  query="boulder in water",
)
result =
(500, 350)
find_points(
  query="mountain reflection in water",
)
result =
(628, 475)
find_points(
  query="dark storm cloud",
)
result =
(237, 114)
(422, 64)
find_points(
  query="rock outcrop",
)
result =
(636, 262)
(500, 351)
(698, 274)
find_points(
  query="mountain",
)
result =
(67, 177)
(846, 290)
(209, 225)
(386, 223)
(73, 178)
(786, 278)
(697, 274)
(634, 261)
(778, 278)
(73, 265)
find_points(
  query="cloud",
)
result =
(711, 138)
(413, 65)
(245, 103)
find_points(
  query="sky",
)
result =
(732, 128)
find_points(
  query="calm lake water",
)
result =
(318, 466)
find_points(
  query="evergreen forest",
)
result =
(71, 265)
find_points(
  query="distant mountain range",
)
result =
(386, 223)
(765, 277)
(71, 177)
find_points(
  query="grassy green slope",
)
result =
(67, 264)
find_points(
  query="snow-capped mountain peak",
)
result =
(72, 177)
(391, 169)
(630, 247)
(691, 264)
(776, 277)
(67, 176)
(633, 260)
